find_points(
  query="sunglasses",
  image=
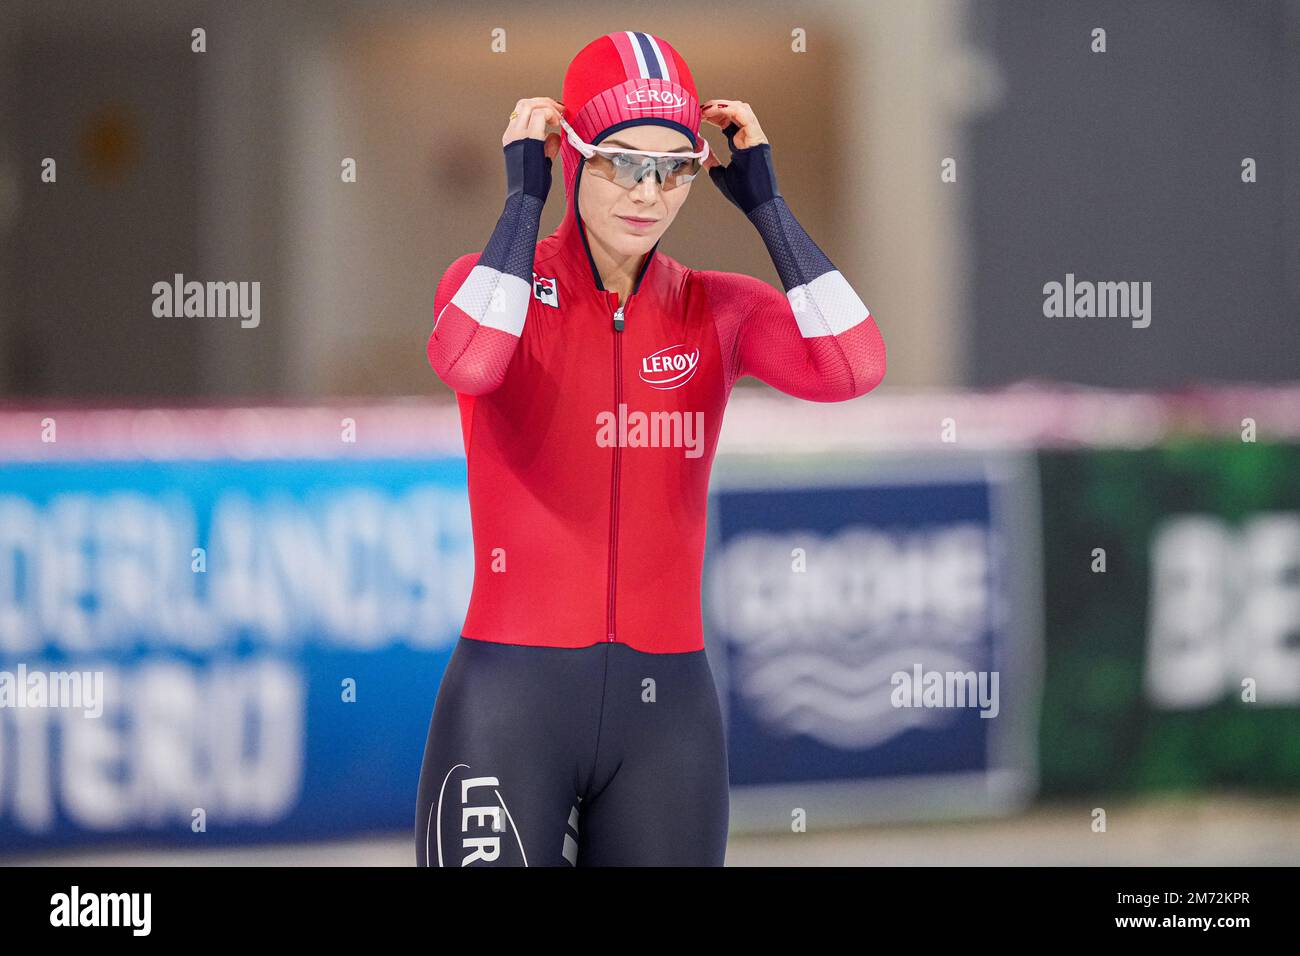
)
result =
(627, 167)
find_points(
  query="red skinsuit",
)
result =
(579, 541)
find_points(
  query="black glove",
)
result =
(749, 180)
(528, 168)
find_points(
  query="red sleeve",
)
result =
(761, 336)
(470, 355)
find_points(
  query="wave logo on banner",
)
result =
(818, 624)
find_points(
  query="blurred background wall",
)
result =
(225, 164)
(1128, 165)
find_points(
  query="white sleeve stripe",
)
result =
(826, 306)
(495, 299)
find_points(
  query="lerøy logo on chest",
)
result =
(671, 367)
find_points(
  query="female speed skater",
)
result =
(577, 722)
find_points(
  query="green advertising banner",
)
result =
(1172, 618)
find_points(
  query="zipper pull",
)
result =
(618, 320)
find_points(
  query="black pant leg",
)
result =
(507, 754)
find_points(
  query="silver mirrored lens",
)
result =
(628, 169)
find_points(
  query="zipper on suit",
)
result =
(614, 475)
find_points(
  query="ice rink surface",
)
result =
(1215, 831)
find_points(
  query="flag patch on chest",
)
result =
(546, 290)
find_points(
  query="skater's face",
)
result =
(629, 220)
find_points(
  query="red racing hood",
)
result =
(619, 80)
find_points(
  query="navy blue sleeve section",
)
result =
(797, 258)
(749, 180)
(514, 240)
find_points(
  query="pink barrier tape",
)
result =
(758, 420)
(1023, 416)
(344, 430)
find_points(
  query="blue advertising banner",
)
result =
(874, 633)
(241, 649)
(222, 650)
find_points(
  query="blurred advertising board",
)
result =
(874, 635)
(241, 648)
(1172, 590)
(244, 613)
(1178, 667)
